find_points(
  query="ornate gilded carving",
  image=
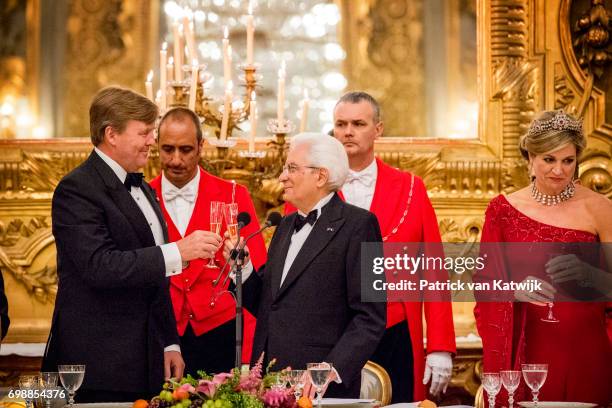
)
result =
(20, 241)
(563, 93)
(108, 43)
(592, 39)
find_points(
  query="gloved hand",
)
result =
(438, 368)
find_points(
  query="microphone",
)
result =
(244, 219)
(274, 218)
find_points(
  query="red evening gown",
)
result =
(576, 349)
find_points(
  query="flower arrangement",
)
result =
(250, 389)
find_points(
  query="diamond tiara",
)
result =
(561, 121)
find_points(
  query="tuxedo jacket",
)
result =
(317, 313)
(192, 290)
(405, 214)
(112, 311)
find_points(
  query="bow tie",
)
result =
(300, 220)
(133, 179)
(187, 194)
(367, 180)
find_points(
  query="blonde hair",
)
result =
(551, 130)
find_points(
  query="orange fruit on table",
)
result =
(140, 404)
(304, 402)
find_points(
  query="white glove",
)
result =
(438, 368)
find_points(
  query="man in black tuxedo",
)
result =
(113, 311)
(307, 297)
(4, 324)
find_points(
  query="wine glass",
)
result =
(319, 375)
(230, 213)
(511, 380)
(550, 317)
(71, 376)
(296, 381)
(48, 381)
(28, 383)
(492, 384)
(535, 375)
(216, 216)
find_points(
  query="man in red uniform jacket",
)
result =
(405, 214)
(205, 315)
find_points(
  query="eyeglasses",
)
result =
(293, 168)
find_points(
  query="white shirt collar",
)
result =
(115, 167)
(191, 186)
(320, 204)
(370, 170)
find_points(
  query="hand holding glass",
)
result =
(216, 217)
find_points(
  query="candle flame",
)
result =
(230, 85)
(229, 52)
(225, 32)
(250, 7)
(158, 94)
(150, 76)
(171, 61)
(305, 94)
(253, 96)
(164, 46)
(195, 62)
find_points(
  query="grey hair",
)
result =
(324, 152)
(359, 96)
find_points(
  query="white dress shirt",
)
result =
(358, 189)
(299, 237)
(170, 252)
(180, 202)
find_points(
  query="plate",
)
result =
(346, 402)
(554, 404)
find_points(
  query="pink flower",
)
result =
(187, 387)
(220, 378)
(207, 387)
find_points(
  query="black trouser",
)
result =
(394, 353)
(213, 351)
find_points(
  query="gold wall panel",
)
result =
(109, 42)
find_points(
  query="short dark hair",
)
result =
(358, 96)
(179, 114)
(115, 107)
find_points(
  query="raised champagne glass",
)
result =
(230, 213)
(216, 217)
(535, 376)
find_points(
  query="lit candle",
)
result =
(250, 29)
(149, 85)
(227, 74)
(177, 52)
(304, 118)
(158, 98)
(194, 84)
(163, 86)
(280, 113)
(189, 36)
(253, 119)
(227, 110)
(170, 69)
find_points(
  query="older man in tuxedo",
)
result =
(112, 311)
(307, 298)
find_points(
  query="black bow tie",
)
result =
(300, 220)
(133, 179)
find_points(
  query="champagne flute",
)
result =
(28, 383)
(535, 376)
(296, 381)
(319, 375)
(72, 376)
(230, 213)
(492, 385)
(511, 380)
(216, 216)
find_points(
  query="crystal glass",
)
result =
(230, 213)
(492, 385)
(535, 376)
(71, 376)
(28, 384)
(550, 318)
(216, 217)
(48, 381)
(510, 380)
(296, 381)
(319, 376)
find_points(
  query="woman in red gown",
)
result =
(552, 209)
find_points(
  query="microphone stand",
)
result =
(239, 325)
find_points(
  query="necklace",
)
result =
(545, 199)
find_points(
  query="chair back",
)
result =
(375, 383)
